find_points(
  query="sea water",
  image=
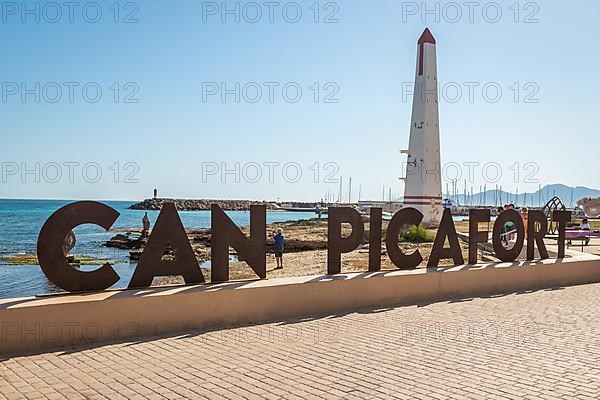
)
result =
(21, 221)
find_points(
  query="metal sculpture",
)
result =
(552, 205)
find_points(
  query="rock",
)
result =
(124, 242)
(201, 205)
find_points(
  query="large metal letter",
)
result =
(475, 235)
(336, 244)
(225, 233)
(438, 251)
(502, 253)
(168, 232)
(50, 247)
(406, 216)
(562, 217)
(375, 239)
(536, 236)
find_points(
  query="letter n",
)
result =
(167, 232)
(225, 233)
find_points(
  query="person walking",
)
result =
(278, 247)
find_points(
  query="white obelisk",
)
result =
(423, 183)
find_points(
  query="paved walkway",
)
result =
(541, 345)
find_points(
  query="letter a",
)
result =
(438, 251)
(168, 230)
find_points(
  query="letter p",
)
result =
(9, 8)
(209, 89)
(9, 169)
(209, 169)
(336, 244)
(9, 89)
(409, 8)
(209, 8)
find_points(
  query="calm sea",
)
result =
(21, 221)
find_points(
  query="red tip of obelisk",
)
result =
(426, 37)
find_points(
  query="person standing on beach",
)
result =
(145, 226)
(278, 247)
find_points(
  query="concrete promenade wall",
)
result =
(51, 322)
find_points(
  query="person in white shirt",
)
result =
(585, 225)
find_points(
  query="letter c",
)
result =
(50, 247)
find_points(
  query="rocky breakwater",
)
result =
(300, 236)
(201, 204)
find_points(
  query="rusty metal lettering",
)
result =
(562, 217)
(475, 235)
(336, 244)
(225, 233)
(438, 252)
(504, 254)
(51, 240)
(536, 236)
(375, 239)
(406, 216)
(168, 233)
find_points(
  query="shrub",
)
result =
(416, 234)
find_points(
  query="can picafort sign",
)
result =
(169, 231)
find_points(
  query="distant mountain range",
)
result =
(569, 196)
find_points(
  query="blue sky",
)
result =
(157, 123)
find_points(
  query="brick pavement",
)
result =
(540, 345)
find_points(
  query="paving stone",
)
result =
(535, 345)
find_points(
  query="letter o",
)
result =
(498, 172)
(508, 255)
(298, 16)
(498, 8)
(57, 175)
(98, 331)
(298, 169)
(85, 92)
(285, 90)
(98, 9)
(257, 176)
(57, 12)
(256, 87)
(98, 175)
(458, 170)
(458, 92)
(258, 12)
(56, 88)
(458, 9)
(486, 88)
(57, 331)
